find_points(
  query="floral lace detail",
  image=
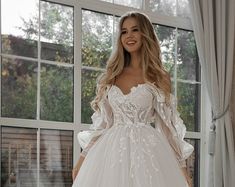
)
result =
(128, 108)
(134, 114)
(141, 148)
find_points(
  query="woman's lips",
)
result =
(132, 42)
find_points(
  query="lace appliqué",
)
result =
(139, 147)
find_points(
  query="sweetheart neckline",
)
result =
(131, 89)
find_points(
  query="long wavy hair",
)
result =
(153, 70)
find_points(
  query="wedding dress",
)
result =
(122, 147)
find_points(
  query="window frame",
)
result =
(76, 126)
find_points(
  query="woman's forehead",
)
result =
(129, 22)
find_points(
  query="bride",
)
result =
(137, 137)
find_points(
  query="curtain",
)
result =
(232, 108)
(213, 23)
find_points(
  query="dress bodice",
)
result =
(132, 108)
(137, 110)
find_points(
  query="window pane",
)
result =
(167, 7)
(189, 104)
(97, 31)
(183, 8)
(88, 93)
(188, 66)
(56, 32)
(166, 36)
(56, 93)
(110, 1)
(19, 87)
(19, 27)
(18, 157)
(56, 158)
(129, 3)
(193, 162)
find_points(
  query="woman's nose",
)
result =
(129, 34)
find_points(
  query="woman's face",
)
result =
(130, 35)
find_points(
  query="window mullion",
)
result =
(38, 157)
(39, 62)
(176, 59)
(77, 78)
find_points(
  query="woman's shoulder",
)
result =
(158, 94)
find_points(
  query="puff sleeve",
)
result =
(101, 122)
(173, 126)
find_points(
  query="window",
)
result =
(51, 55)
(20, 151)
(129, 3)
(37, 84)
(96, 49)
(48, 72)
(180, 58)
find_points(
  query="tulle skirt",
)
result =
(131, 156)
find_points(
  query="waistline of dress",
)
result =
(134, 124)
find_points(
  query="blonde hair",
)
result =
(153, 70)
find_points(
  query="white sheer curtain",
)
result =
(213, 23)
(232, 109)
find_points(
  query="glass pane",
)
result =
(183, 8)
(188, 66)
(193, 162)
(110, 1)
(166, 36)
(19, 27)
(88, 93)
(97, 31)
(56, 93)
(19, 88)
(130, 3)
(18, 157)
(56, 158)
(167, 7)
(189, 105)
(56, 32)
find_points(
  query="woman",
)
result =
(122, 148)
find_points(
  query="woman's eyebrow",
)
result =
(131, 27)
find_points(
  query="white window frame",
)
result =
(76, 126)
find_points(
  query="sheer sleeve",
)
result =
(172, 125)
(101, 121)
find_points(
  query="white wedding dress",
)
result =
(123, 149)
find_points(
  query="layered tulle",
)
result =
(122, 148)
(130, 156)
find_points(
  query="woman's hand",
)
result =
(187, 177)
(77, 167)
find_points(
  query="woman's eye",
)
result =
(135, 30)
(123, 32)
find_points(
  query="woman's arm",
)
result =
(101, 121)
(173, 127)
(77, 167)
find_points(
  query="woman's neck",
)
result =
(135, 62)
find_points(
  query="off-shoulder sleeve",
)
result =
(101, 122)
(172, 126)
